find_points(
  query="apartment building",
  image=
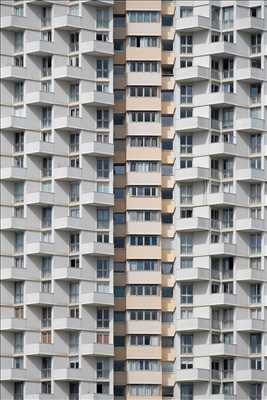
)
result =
(190, 196)
(56, 200)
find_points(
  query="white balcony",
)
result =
(16, 22)
(216, 349)
(192, 74)
(250, 75)
(14, 174)
(15, 123)
(220, 249)
(97, 149)
(69, 73)
(14, 224)
(97, 99)
(193, 274)
(12, 72)
(97, 248)
(69, 273)
(217, 48)
(41, 349)
(192, 24)
(194, 124)
(40, 248)
(250, 24)
(68, 22)
(42, 98)
(97, 48)
(192, 174)
(69, 324)
(14, 374)
(97, 199)
(42, 48)
(193, 325)
(69, 123)
(219, 99)
(250, 375)
(219, 198)
(96, 396)
(193, 375)
(216, 149)
(250, 175)
(40, 198)
(250, 325)
(39, 298)
(68, 173)
(69, 374)
(97, 349)
(250, 274)
(17, 274)
(70, 224)
(193, 224)
(97, 299)
(13, 324)
(252, 125)
(39, 148)
(250, 224)
(215, 299)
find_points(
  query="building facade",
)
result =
(189, 185)
(56, 200)
(188, 218)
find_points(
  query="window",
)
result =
(255, 143)
(167, 45)
(143, 91)
(167, 20)
(186, 44)
(73, 391)
(18, 41)
(144, 290)
(18, 192)
(73, 342)
(186, 194)
(118, 118)
(186, 94)
(167, 341)
(186, 12)
(143, 240)
(118, 44)
(186, 113)
(144, 315)
(186, 294)
(74, 42)
(103, 218)
(46, 117)
(144, 116)
(186, 244)
(255, 391)
(255, 342)
(18, 390)
(144, 41)
(102, 18)
(143, 265)
(255, 240)
(74, 242)
(102, 318)
(255, 293)
(18, 342)
(18, 91)
(143, 16)
(144, 390)
(143, 66)
(255, 43)
(102, 116)
(186, 344)
(118, 21)
(102, 168)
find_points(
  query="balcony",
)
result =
(147, 227)
(142, 327)
(215, 299)
(217, 49)
(40, 248)
(250, 375)
(12, 72)
(144, 78)
(97, 149)
(16, 274)
(16, 22)
(194, 124)
(97, 99)
(220, 249)
(250, 175)
(15, 123)
(192, 24)
(192, 274)
(68, 324)
(220, 198)
(40, 198)
(14, 374)
(219, 99)
(250, 274)
(40, 148)
(250, 225)
(42, 48)
(97, 48)
(192, 174)
(250, 325)
(42, 98)
(193, 375)
(96, 396)
(69, 73)
(250, 75)
(13, 324)
(253, 125)
(69, 123)
(215, 349)
(97, 349)
(69, 374)
(97, 248)
(192, 74)
(14, 174)
(41, 349)
(40, 299)
(16, 224)
(68, 22)
(193, 325)
(97, 199)
(70, 224)
(97, 299)
(192, 224)
(250, 24)
(148, 378)
(217, 149)
(68, 173)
